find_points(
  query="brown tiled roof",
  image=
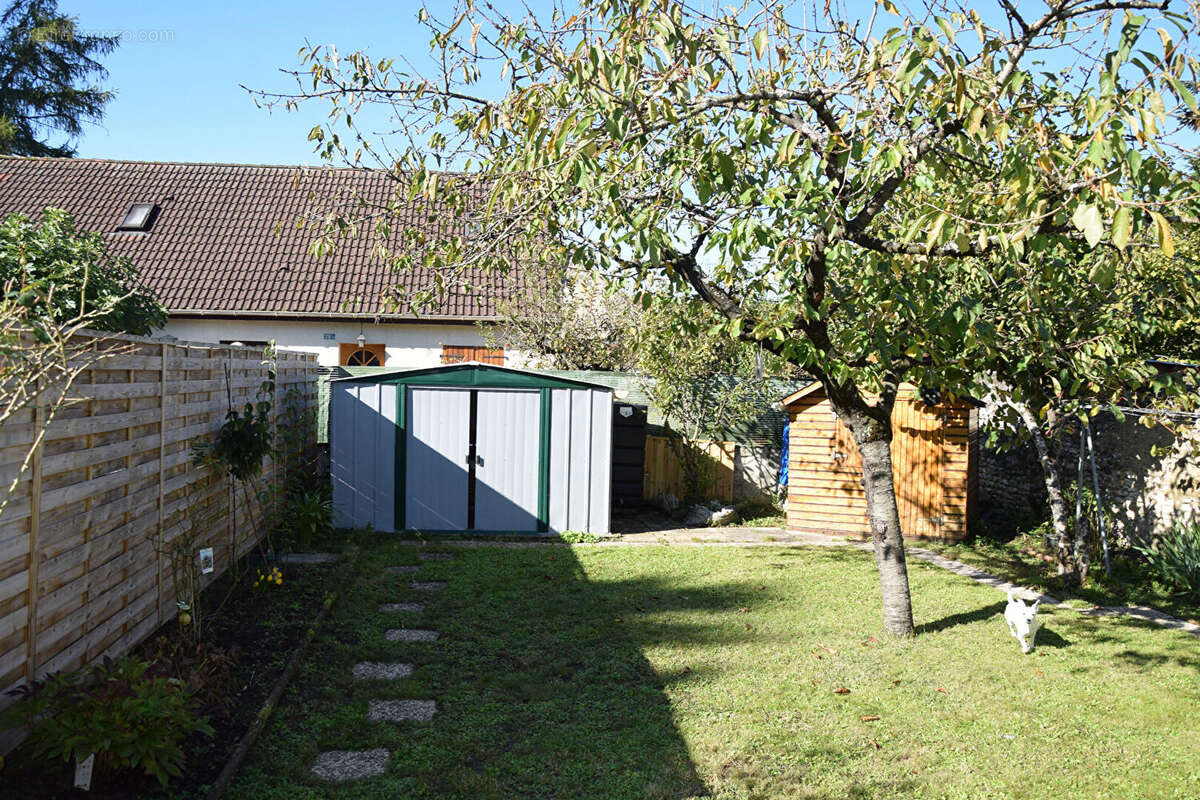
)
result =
(226, 236)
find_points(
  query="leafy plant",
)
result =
(1175, 557)
(62, 273)
(204, 668)
(307, 516)
(117, 710)
(578, 537)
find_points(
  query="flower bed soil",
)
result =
(264, 624)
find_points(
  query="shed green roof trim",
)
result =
(481, 375)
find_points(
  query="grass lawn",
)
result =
(1025, 561)
(658, 672)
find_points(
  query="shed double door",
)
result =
(472, 459)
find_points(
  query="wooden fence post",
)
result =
(162, 455)
(35, 521)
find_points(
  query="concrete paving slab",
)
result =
(402, 570)
(350, 765)
(401, 710)
(435, 556)
(377, 671)
(410, 635)
(308, 558)
(427, 586)
(405, 608)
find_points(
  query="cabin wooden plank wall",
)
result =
(931, 457)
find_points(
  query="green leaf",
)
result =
(1162, 231)
(1103, 273)
(973, 119)
(760, 42)
(1184, 95)
(1121, 227)
(1087, 219)
(935, 232)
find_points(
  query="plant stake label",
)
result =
(206, 560)
(83, 772)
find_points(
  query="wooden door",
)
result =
(917, 455)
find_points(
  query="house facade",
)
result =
(227, 248)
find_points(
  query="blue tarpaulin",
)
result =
(783, 457)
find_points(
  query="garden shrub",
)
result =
(117, 710)
(1175, 557)
(306, 517)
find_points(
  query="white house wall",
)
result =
(407, 344)
(362, 454)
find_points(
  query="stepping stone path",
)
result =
(375, 671)
(401, 710)
(349, 765)
(308, 558)
(408, 608)
(410, 635)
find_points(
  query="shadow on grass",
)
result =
(1045, 636)
(542, 687)
(962, 618)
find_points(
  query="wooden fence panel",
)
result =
(663, 473)
(84, 542)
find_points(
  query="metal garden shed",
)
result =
(470, 447)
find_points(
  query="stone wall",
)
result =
(756, 472)
(1147, 479)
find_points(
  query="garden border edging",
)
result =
(217, 790)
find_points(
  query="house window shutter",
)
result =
(460, 354)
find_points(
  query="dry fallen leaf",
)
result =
(875, 744)
(940, 689)
(841, 690)
(870, 717)
(743, 609)
(817, 656)
(896, 682)
(747, 627)
(618, 619)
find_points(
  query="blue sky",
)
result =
(177, 72)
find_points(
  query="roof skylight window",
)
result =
(139, 218)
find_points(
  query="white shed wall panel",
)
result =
(362, 455)
(580, 460)
(436, 455)
(507, 441)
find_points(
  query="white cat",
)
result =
(1022, 621)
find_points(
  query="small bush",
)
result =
(205, 669)
(307, 517)
(127, 717)
(1175, 557)
(578, 537)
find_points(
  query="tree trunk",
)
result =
(874, 440)
(1054, 495)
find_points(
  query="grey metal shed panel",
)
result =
(362, 462)
(580, 460)
(436, 450)
(507, 470)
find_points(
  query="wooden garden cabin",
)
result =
(934, 459)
